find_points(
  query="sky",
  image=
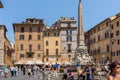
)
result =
(94, 11)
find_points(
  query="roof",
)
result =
(107, 19)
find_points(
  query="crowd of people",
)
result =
(13, 70)
(29, 70)
(112, 71)
(84, 73)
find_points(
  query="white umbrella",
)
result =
(46, 63)
(66, 63)
(39, 62)
(19, 62)
(30, 62)
(59, 62)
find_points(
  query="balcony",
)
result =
(30, 54)
(30, 51)
(52, 55)
(69, 27)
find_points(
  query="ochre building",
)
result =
(103, 40)
(52, 46)
(29, 45)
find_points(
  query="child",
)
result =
(70, 76)
(65, 76)
(29, 72)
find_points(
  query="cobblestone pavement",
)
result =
(47, 77)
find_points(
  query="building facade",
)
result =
(8, 52)
(115, 38)
(6, 49)
(29, 41)
(99, 41)
(68, 34)
(52, 46)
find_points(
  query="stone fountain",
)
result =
(81, 54)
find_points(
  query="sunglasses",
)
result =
(117, 67)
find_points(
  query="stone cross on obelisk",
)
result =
(81, 54)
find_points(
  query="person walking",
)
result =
(40, 75)
(52, 70)
(55, 72)
(70, 75)
(5, 70)
(16, 71)
(89, 73)
(33, 70)
(24, 70)
(56, 66)
(12, 70)
(29, 72)
(65, 74)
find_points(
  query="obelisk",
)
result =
(80, 26)
(81, 54)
